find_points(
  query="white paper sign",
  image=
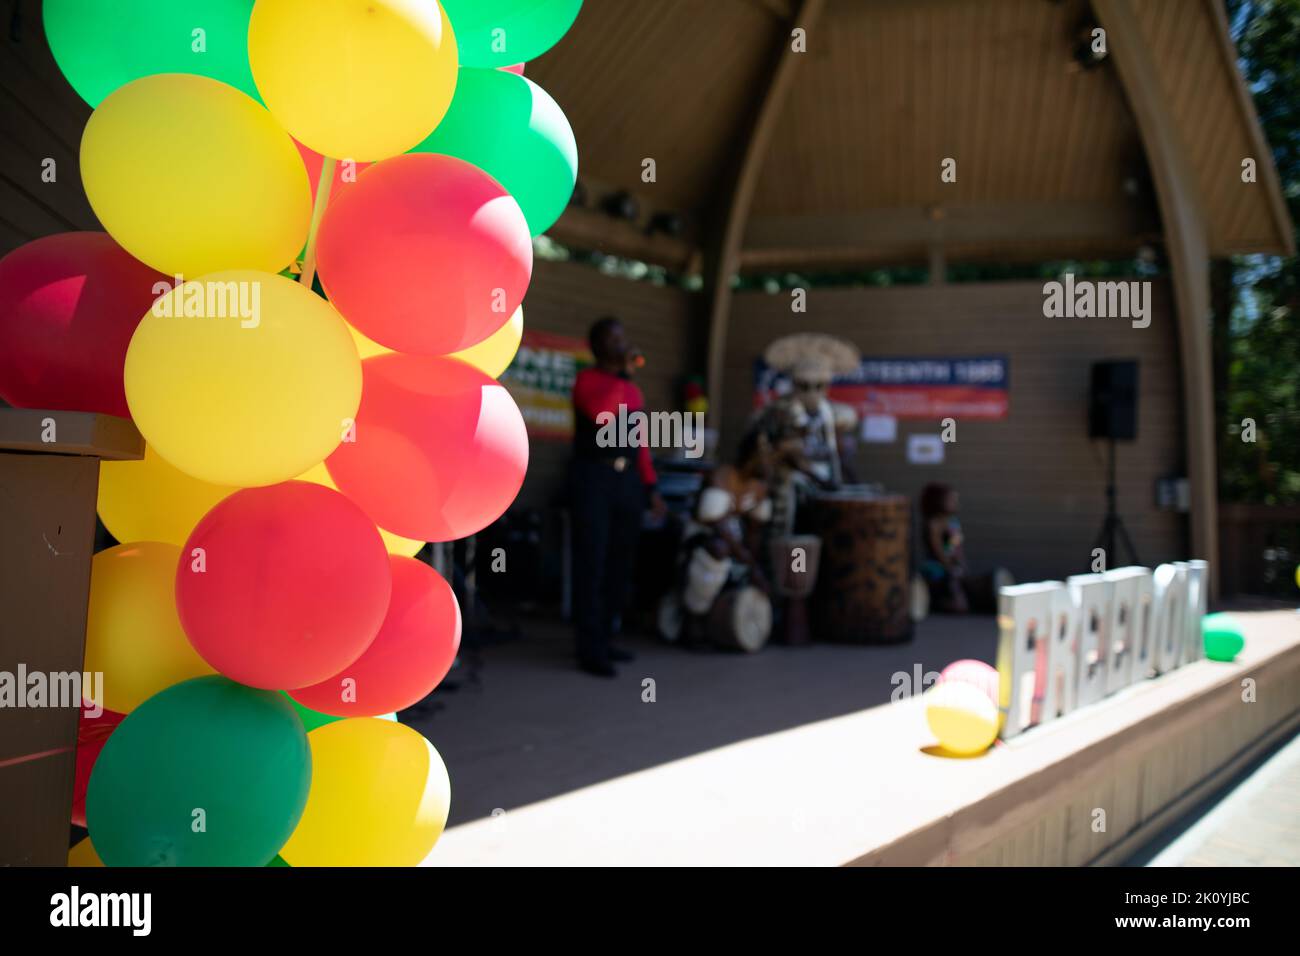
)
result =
(924, 449)
(880, 428)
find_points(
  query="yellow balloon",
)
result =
(379, 797)
(354, 79)
(149, 500)
(365, 347)
(396, 544)
(961, 716)
(242, 378)
(192, 176)
(495, 353)
(83, 854)
(492, 356)
(133, 634)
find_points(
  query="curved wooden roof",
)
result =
(1049, 157)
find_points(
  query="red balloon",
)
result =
(440, 449)
(92, 734)
(409, 656)
(290, 587)
(68, 307)
(977, 673)
(517, 69)
(425, 253)
(344, 175)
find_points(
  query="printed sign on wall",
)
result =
(967, 388)
(540, 380)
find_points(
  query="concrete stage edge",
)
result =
(864, 790)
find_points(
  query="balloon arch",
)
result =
(318, 232)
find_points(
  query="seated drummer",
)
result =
(724, 536)
(945, 564)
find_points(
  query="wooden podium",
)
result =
(49, 479)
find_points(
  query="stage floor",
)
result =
(786, 757)
(523, 724)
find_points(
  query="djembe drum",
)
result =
(795, 559)
(862, 593)
(741, 619)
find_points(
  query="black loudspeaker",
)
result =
(1113, 403)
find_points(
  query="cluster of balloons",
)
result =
(264, 619)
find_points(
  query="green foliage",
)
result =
(1264, 333)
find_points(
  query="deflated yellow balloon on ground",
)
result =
(191, 176)
(133, 634)
(396, 544)
(961, 716)
(379, 797)
(354, 79)
(242, 378)
(149, 500)
(494, 354)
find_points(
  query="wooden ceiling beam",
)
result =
(1187, 241)
(781, 8)
(591, 229)
(722, 258)
(841, 235)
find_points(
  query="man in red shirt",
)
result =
(610, 485)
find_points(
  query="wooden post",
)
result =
(724, 260)
(1186, 238)
(49, 480)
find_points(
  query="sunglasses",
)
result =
(805, 386)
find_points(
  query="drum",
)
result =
(741, 619)
(794, 572)
(706, 576)
(795, 559)
(864, 582)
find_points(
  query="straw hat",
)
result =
(814, 353)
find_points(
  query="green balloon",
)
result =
(496, 33)
(103, 44)
(278, 861)
(510, 128)
(311, 719)
(236, 753)
(1223, 637)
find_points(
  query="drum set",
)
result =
(848, 578)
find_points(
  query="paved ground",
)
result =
(1256, 822)
(521, 724)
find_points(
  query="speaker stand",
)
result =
(1112, 527)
